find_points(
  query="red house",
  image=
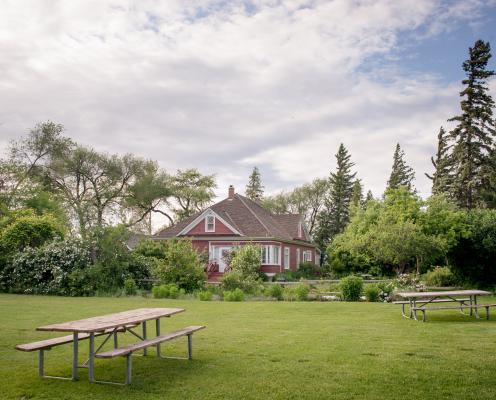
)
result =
(237, 220)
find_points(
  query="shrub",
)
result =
(309, 270)
(169, 291)
(234, 295)
(205, 295)
(274, 291)
(287, 276)
(351, 288)
(289, 293)
(246, 260)
(409, 281)
(439, 276)
(130, 287)
(386, 291)
(181, 265)
(372, 292)
(302, 291)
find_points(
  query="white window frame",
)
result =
(307, 256)
(300, 233)
(298, 259)
(207, 223)
(270, 254)
(287, 257)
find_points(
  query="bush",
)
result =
(372, 292)
(351, 288)
(48, 269)
(439, 276)
(287, 276)
(289, 294)
(205, 295)
(234, 295)
(309, 270)
(169, 291)
(275, 291)
(246, 260)
(302, 292)
(386, 291)
(181, 265)
(130, 287)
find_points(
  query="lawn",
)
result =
(263, 350)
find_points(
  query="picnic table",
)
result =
(423, 301)
(110, 326)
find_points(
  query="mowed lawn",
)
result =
(262, 350)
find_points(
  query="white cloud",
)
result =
(223, 85)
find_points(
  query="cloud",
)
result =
(225, 85)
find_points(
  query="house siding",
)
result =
(220, 229)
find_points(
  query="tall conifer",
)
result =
(254, 189)
(474, 135)
(401, 173)
(336, 213)
(442, 176)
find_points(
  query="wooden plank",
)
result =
(123, 351)
(432, 301)
(444, 293)
(454, 307)
(49, 343)
(103, 322)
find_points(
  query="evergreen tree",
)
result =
(369, 196)
(401, 173)
(254, 189)
(441, 179)
(336, 213)
(473, 137)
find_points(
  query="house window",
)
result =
(316, 258)
(298, 260)
(307, 256)
(210, 223)
(299, 230)
(286, 258)
(270, 255)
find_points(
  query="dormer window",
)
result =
(210, 223)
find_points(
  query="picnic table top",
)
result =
(444, 293)
(96, 324)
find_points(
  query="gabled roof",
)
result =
(247, 217)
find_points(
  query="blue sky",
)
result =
(226, 85)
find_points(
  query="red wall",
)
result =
(220, 229)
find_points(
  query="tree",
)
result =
(370, 196)
(442, 177)
(191, 192)
(473, 137)
(401, 173)
(357, 194)
(336, 212)
(254, 189)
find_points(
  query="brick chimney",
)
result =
(231, 192)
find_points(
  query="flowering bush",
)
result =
(410, 282)
(386, 291)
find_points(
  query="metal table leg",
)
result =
(75, 342)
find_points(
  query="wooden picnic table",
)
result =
(419, 301)
(109, 324)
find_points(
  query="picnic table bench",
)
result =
(421, 301)
(109, 326)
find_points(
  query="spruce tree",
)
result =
(401, 173)
(336, 213)
(369, 196)
(441, 179)
(357, 194)
(473, 137)
(254, 188)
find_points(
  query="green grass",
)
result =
(263, 350)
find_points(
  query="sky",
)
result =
(223, 86)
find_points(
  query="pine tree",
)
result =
(401, 173)
(336, 213)
(369, 196)
(442, 178)
(474, 135)
(254, 189)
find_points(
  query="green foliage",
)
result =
(180, 264)
(130, 287)
(372, 292)
(351, 288)
(168, 291)
(49, 269)
(151, 248)
(472, 258)
(234, 295)
(275, 291)
(29, 231)
(301, 290)
(245, 266)
(205, 295)
(439, 276)
(308, 270)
